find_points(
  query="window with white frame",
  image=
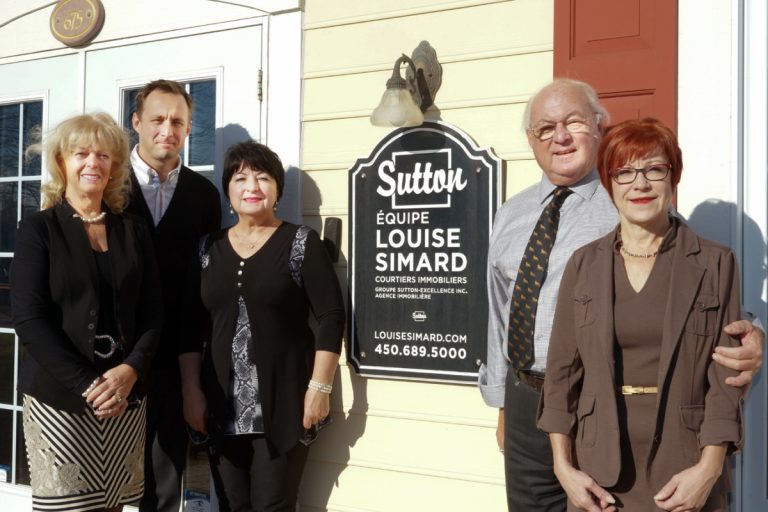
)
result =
(198, 153)
(20, 125)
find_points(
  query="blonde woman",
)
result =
(87, 310)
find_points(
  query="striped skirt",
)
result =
(78, 462)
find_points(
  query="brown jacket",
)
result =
(694, 407)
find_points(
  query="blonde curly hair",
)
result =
(87, 130)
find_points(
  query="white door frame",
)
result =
(751, 119)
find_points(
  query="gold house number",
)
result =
(77, 22)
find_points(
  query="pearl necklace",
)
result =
(646, 255)
(91, 220)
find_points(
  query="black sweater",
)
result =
(195, 210)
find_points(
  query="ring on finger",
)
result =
(118, 397)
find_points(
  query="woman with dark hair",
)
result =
(632, 400)
(88, 312)
(267, 377)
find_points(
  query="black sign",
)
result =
(421, 209)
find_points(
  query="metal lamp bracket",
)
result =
(426, 74)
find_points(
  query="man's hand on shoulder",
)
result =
(747, 358)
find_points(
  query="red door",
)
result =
(626, 49)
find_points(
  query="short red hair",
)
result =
(633, 139)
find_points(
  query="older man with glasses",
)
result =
(534, 234)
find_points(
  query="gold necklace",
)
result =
(250, 245)
(644, 255)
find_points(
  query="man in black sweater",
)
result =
(180, 206)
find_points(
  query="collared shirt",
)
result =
(157, 194)
(586, 215)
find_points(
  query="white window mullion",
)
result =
(20, 160)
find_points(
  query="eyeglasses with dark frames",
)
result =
(654, 172)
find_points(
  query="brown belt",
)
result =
(638, 390)
(531, 380)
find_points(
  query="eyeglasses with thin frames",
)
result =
(627, 174)
(573, 125)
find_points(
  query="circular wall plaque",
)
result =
(77, 22)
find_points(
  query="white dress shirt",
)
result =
(157, 194)
(586, 215)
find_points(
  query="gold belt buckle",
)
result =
(639, 390)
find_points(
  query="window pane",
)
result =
(22, 468)
(129, 107)
(8, 202)
(202, 137)
(6, 367)
(30, 197)
(33, 121)
(9, 140)
(6, 443)
(5, 292)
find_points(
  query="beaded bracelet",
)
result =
(319, 386)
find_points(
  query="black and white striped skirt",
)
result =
(78, 462)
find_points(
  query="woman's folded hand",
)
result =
(690, 488)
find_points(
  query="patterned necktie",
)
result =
(530, 277)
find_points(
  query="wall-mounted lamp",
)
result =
(406, 99)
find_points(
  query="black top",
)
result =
(194, 210)
(278, 309)
(106, 324)
(56, 302)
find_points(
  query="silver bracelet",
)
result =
(319, 386)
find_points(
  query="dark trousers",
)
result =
(165, 451)
(531, 482)
(247, 479)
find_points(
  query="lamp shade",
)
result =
(397, 108)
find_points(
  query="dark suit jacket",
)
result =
(194, 211)
(695, 407)
(55, 300)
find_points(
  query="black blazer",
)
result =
(55, 301)
(195, 210)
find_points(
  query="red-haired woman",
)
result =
(631, 400)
